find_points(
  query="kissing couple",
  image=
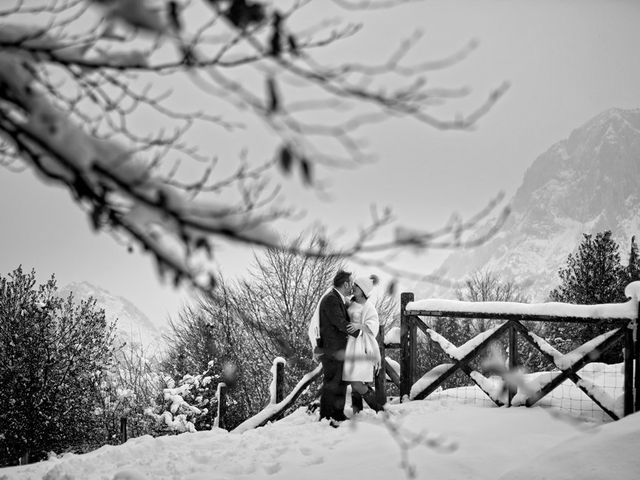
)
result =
(343, 334)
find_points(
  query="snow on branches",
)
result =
(82, 102)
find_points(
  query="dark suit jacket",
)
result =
(333, 323)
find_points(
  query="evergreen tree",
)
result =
(633, 267)
(592, 275)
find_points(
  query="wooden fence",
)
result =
(280, 404)
(624, 329)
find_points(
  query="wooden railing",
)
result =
(275, 410)
(624, 329)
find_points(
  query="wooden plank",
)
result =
(571, 372)
(613, 415)
(513, 361)
(395, 378)
(634, 326)
(422, 326)
(295, 393)
(463, 361)
(406, 362)
(628, 371)
(222, 405)
(24, 459)
(381, 395)
(465, 368)
(413, 350)
(518, 317)
(432, 375)
(279, 385)
(124, 433)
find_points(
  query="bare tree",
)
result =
(278, 300)
(92, 99)
(487, 286)
(247, 325)
(388, 309)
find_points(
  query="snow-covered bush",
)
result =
(189, 404)
(49, 353)
(128, 390)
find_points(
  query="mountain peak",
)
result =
(612, 125)
(614, 114)
(584, 184)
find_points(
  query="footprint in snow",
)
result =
(129, 475)
(240, 468)
(306, 450)
(315, 460)
(277, 451)
(272, 468)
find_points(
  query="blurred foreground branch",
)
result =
(97, 96)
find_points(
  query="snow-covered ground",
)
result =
(448, 436)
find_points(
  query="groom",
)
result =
(333, 319)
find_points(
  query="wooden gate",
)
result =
(622, 318)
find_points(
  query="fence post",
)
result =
(24, 459)
(407, 346)
(513, 360)
(636, 390)
(381, 395)
(222, 405)
(279, 386)
(123, 429)
(628, 370)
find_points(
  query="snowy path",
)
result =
(491, 442)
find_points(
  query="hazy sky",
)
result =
(566, 60)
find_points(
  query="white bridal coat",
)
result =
(362, 354)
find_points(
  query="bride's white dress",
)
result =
(362, 352)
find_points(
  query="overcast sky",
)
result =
(566, 60)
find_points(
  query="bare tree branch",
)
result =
(92, 97)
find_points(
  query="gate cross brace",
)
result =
(571, 372)
(465, 368)
(461, 363)
(395, 378)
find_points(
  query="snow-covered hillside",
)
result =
(132, 324)
(584, 184)
(447, 438)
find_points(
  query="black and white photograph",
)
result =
(319, 239)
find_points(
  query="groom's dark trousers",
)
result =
(333, 340)
(334, 390)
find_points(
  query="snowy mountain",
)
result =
(584, 184)
(132, 324)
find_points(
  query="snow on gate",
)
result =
(610, 387)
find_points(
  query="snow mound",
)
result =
(610, 451)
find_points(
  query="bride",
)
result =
(362, 354)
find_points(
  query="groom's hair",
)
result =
(340, 278)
